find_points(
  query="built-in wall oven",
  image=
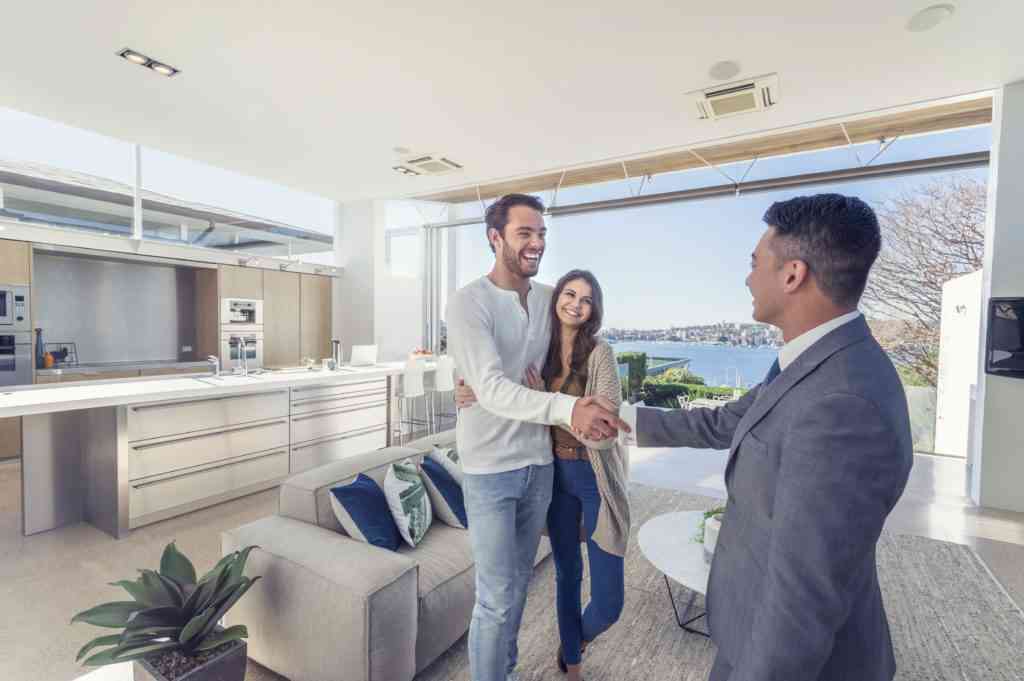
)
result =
(14, 308)
(15, 358)
(234, 344)
(241, 314)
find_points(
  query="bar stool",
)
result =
(411, 391)
(444, 391)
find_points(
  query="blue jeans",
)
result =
(506, 513)
(576, 494)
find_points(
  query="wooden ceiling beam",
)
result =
(862, 129)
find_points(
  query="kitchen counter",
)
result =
(49, 399)
(104, 367)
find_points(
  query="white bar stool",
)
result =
(411, 391)
(444, 391)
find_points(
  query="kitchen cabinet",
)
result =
(15, 263)
(315, 338)
(331, 422)
(241, 282)
(10, 438)
(281, 314)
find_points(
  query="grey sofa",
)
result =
(330, 608)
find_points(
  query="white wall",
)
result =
(958, 370)
(997, 478)
(398, 295)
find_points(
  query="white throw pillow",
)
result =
(408, 500)
(449, 458)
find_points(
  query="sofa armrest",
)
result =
(328, 607)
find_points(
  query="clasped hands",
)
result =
(594, 418)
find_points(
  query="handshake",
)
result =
(594, 418)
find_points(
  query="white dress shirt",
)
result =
(787, 355)
(493, 340)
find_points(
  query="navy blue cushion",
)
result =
(445, 494)
(362, 510)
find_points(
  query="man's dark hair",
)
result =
(496, 215)
(836, 236)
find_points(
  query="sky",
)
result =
(685, 263)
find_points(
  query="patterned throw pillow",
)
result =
(445, 494)
(363, 512)
(449, 458)
(408, 500)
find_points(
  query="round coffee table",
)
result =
(667, 542)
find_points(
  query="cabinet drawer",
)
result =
(312, 454)
(337, 422)
(312, 392)
(154, 496)
(175, 418)
(308, 405)
(162, 456)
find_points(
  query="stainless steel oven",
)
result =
(241, 314)
(15, 358)
(251, 343)
(14, 308)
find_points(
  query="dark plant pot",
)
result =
(227, 666)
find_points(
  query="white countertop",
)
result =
(46, 399)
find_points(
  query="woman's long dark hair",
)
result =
(586, 338)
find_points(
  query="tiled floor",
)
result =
(46, 578)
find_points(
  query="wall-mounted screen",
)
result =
(1004, 353)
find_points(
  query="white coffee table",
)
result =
(667, 543)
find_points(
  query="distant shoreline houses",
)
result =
(724, 333)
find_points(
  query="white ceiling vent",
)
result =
(427, 165)
(739, 97)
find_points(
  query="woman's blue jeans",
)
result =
(575, 495)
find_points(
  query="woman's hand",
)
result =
(533, 381)
(464, 395)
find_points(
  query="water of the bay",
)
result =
(716, 364)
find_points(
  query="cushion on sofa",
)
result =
(445, 494)
(307, 496)
(448, 457)
(362, 509)
(408, 499)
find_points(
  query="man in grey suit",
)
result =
(819, 453)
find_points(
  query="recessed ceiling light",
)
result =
(930, 17)
(401, 150)
(134, 57)
(724, 70)
(142, 60)
(163, 69)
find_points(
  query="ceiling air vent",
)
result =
(426, 165)
(736, 98)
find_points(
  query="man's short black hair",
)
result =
(836, 236)
(496, 215)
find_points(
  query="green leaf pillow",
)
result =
(408, 500)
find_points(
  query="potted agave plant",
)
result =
(170, 627)
(707, 531)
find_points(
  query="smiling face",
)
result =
(520, 248)
(575, 304)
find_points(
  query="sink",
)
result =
(229, 379)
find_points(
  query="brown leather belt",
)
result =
(570, 453)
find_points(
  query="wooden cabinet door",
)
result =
(241, 282)
(315, 339)
(15, 263)
(10, 437)
(281, 302)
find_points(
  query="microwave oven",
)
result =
(14, 308)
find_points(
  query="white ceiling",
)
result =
(315, 95)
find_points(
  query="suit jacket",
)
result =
(818, 458)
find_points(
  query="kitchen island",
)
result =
(125, 453)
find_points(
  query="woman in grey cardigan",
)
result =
(590, 501)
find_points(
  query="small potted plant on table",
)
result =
(170, 627)
(707, 531)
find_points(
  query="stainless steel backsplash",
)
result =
(114, 310)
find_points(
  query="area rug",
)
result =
(950, 620)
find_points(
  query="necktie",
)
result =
(772, 372)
